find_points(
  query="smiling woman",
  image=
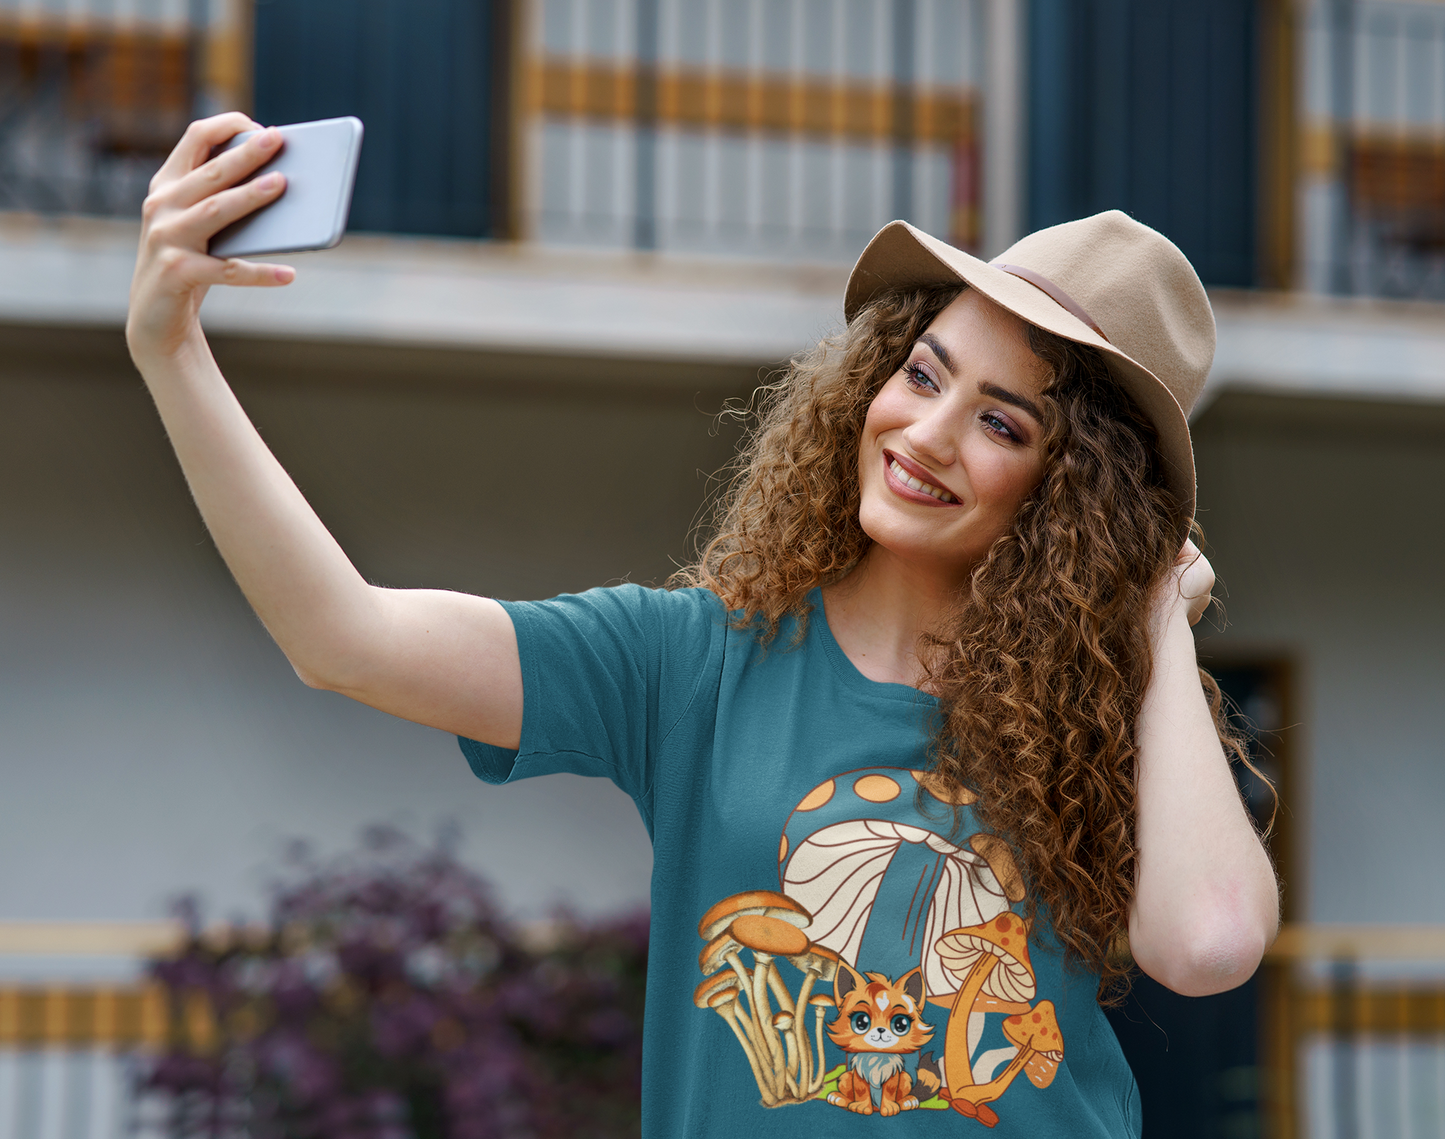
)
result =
(921, 730)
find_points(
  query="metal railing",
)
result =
(1353, 1024)
(1374, 147)
(94, 93)
(779, 128)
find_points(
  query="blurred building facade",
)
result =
(580, 227)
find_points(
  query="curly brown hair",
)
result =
(1040, 668)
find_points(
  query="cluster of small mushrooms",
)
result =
(767, 925)
(988, 963)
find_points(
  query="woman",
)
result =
(924, 740)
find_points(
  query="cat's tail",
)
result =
(928, 1080)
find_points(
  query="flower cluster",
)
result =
(387, 999)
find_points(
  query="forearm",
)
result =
(445, 659)
(1207, 903)
(300, 582)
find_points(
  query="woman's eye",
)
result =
(861, 1022)
(900, 1025)
(1000, 426)
(918, 378)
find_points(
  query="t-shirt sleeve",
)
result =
(606, 676)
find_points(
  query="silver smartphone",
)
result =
(319, 160)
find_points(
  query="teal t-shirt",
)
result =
(859, 950)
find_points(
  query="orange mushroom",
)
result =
(1041, 1045)
(1040, 1052)
(768, 903)
(990, 959)
(768, 937)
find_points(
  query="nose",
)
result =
(935, 433)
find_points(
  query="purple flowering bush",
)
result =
(387, 999)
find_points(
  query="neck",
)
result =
(878, 612)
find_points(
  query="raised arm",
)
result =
(1207, 904)
(439, 658)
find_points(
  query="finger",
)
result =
(198, 141)
(192, 228)
(254, 274)
(226, 169)
(194, 269)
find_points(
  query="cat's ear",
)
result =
(845, 982)
(912, 984)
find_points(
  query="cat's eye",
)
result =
(901, 1024)
(861, 1023)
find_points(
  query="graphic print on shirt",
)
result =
(877, 904)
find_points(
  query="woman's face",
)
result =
(952, 442)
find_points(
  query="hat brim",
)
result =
(901, 257)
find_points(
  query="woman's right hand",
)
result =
(192, 197)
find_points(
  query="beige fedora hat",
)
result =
(1107, 281)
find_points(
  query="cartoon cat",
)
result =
(879, 1022)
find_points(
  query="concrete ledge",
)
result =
(467, 297)
(461, 294)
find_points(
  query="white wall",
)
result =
(154, 740)
(1327, 522)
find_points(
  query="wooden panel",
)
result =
(1392, 1011)
(752, 102)
(1402, 174)
(37, 1017)
(135, 84)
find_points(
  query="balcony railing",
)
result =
(91, 100)
(1354, 1033)
(763, 127)
(1374, 148)
(1353, 1041)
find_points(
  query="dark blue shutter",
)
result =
(1149, 106)
(419, 73)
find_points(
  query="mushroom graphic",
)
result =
(716, 926)
(1040, 1052)
(767, 925)
(989, 959)
(720, 993)
(816, 964)
(783, 1026)
(821, 1002)
(769, 937)
(883, 879)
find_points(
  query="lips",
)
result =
(908, 480)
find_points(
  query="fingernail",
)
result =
(270, 137)
(270, 181)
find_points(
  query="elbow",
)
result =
(1214, 953)
(311, 678)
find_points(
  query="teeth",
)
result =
(918, 484)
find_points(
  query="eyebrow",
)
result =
(993, 390)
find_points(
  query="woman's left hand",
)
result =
(1189, 584)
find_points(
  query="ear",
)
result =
(845, 982)
(912, 983)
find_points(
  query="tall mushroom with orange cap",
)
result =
(716, 927)
(768, 937)
(1040, 1052)
(993, 959)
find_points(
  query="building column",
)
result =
(1004, 124)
